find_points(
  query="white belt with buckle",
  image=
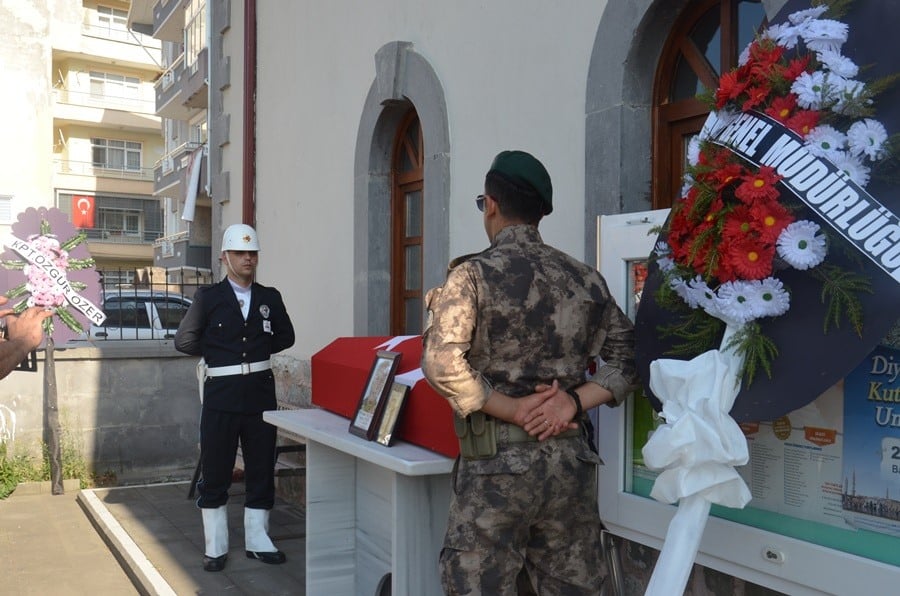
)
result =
(244, 368)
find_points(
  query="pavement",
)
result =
(144, 539)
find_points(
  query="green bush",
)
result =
(22, 467)
(17, 468)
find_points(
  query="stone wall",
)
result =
(130, 407)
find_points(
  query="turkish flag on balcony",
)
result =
(82, 211)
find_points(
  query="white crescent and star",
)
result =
(86, 207)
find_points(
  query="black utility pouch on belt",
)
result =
(477, 434)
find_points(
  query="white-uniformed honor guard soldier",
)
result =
(236, 325)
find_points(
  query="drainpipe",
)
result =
(248, 200)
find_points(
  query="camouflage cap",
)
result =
(524, 168)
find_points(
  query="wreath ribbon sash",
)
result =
(39, 259)
(867, 225)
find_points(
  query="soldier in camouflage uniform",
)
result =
(510, 336)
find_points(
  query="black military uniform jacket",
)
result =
(214, 328)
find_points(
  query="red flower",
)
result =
(758, 186)
(738, 224)
(766, 52)
(803, 121)
(757, 95)
(781, 108)
(723, 270)
(750, 258)
(701, 252)
(770, 219)
(730, 86)
(726, 175)
(796, 67)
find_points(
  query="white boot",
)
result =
(215, 535)
(256, 537)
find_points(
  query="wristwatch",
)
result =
(578, 409)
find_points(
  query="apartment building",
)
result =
(85, 123)
(180, 178)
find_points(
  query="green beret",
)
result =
(524, 168)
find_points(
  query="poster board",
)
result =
(811, 527)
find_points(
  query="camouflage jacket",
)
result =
(519, 314)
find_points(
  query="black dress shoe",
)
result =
(214, 563)
(274, 558)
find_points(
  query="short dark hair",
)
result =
(517, 202)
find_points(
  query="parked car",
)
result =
(140, 314)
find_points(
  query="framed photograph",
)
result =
(374, 396)
(392, 410)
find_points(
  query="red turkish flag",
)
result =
(82, 211)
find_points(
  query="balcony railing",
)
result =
(120, 35)
(122, 236)
(167, 162)
(105, 101)
(86, 168)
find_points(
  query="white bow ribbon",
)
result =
(697, 449)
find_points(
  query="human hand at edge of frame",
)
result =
(553, 415)
(4, 311)
(27, 327)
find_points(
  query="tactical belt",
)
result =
(244, 368)
(517, 434)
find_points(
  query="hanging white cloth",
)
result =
(697, 449)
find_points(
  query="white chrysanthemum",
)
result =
(694, 292)
(784, 35)
(823, 34)
(666, 264)
(867, 137)
(811, 90)
(846, 94)
(838, 64)
(663, 256)
(774, 300)
(702, 295)
(693, 150)
(801, 245)
(825, 141)
(686, 186)
(805, 15)
(852, 166)
(680, 287)
(735, 302)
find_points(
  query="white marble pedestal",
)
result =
(370, 509)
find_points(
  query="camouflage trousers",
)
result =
(532, 507)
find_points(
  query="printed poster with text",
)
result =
(795, 461)
(871, 475)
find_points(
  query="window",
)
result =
(194, 32)
(6, 214)
(406, 228)
(704, 43)
(116, 155)
(119, 222)
(170, 312)
(199, 132)
(126, 312)
(112, 22)
(112, 87)
(112, 279)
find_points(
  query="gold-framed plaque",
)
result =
(374, 396)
